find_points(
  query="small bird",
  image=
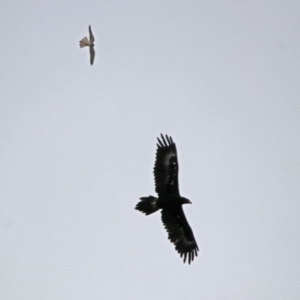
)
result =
(169, 200)
(86, 42)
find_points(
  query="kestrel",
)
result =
(86, 42)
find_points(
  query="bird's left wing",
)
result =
(92, 39)
(166, 167)
(180, 233)
(92, 54)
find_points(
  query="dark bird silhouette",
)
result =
(169, 200)
(90, 43)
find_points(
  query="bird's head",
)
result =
(186, 201)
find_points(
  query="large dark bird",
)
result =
(169, 200)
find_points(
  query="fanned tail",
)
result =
(147, 205)
(84, 42)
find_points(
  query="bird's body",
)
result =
(85, 42)
(169, 200)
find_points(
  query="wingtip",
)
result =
(165, 141)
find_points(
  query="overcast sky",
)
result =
(78, 147)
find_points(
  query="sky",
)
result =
(78, 147)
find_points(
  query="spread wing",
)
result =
(166, 168)
(92, 39)
(180, 233)
(92, 54)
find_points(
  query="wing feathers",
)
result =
(180, 233)
(166, 167)
(163, 143)
(92, 54)
(92, 39)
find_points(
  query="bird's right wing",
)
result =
(180, 232)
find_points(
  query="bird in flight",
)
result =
(86, 42)
(169, 200)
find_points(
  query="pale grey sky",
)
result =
(78, 148)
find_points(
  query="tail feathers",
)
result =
(84, 42)
(147, 205)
